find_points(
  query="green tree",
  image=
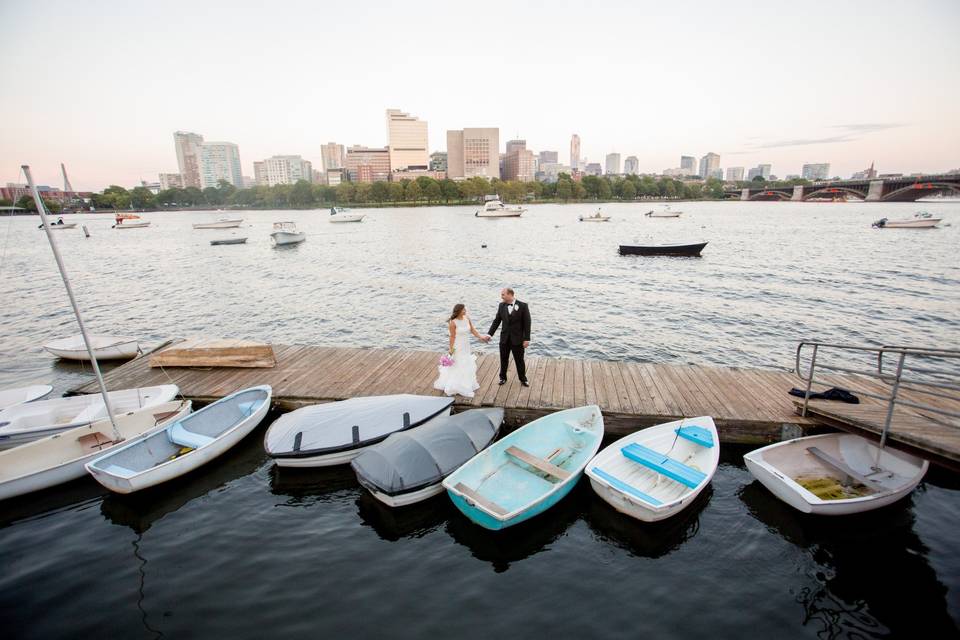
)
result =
(380, 192)
(433, 191)
(450, 190)
(606, 191)
(344, 192)
(396, 192)
(627, 190)
(301, 195)
(142, 198)
(361, 192)
(412, 192)
(564, 189)
(191, 197)
(6, 202)
(212, 196)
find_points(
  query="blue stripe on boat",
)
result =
(695, 434)
(617, 483)
(663, 465)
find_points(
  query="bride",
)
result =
(460, 378)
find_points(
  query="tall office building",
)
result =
(282, 170)
(513, 145)
(816, 171)
(612, 164)
(575, 152)
(473, 152)
(631, 166)
(438, 161)
(549, 157)
(220, 161)
(407, 141)
(734, 174)
(688, 165)
(188, 156)
(171, 181)
(365, 164)
(708, 164)
(762, 170)
(333, 156)
(519, 162)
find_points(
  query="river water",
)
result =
(240, 550)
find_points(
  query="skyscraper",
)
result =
(765, 170)
(473, 152)
(407, 141)
(613, 164)
(735, 174)
(282, 170)
(688, 165)
(519, 163)
(575, 152)
(365, 164)
(188, 156)
(815, 171)
(333, 156)
(708, 164)
(631, 166)
(549, 157)
(220, 161)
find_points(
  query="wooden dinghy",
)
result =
(529, 471)
(61, 457)
(26, 422)
(657, 472)
(215, 243)
(835, 473)
(334, 433)
(184, 445)
(678, 249)
(409, 466)
(20, 395)
(200, 352)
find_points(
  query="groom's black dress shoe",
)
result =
(525, 383)
(503, 382)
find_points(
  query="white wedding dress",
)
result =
(460, 378)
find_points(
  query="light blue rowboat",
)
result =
(529, 471)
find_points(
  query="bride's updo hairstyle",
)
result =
(457, 310)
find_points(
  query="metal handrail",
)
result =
(896, 380)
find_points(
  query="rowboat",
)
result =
(42, 418)
(663, 214)
(184, 445)
(334, 433)
(677, 249)
(228, 241)
(62, 226)
(286, 233)
(529, 471)
(597, 217)
(20, 395)
(909, 223)
(409, 466)
(835, 473)
(60, 458)
(104, 347)
(131, 225)
(496, 209)
(657, 472)
(222, 223)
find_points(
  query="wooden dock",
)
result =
(749, 406)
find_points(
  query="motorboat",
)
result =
(61, 457)
(835, 473)
(335, 433)
(409, 466)
(222, 223)
(286, 233)
(61, 226)
(676, 249)
(228, 241)
(20, 395)
(528, 471)
(184, 445)
(131, 225)
(596, 217)
(25, 422)
(918, 221)
(344, 215)
(496, 209)
(104, 347)
(663, 213)
(657, 472)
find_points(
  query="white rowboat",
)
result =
(61, 457)
(20, 395)
(184, 445)
(223, 223)
(131, 225)
(104, 347)
(911, 223)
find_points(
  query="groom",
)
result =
(515, 337)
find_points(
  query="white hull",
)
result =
(922, 223)
(280, 238)
(594, 219)
(499, 214)
(776, 466)
(131, 225)
(13, 397)
(61, 458)
(27, 422)
(329, 460)
(221, 224)
(347, 217)
(104, 348)
(57, 227)
(406, 499)
(673, 496)
(663, 215)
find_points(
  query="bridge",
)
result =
(899, 189)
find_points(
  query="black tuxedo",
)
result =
(516, 331)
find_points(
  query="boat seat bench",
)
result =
(538, 463)
(619, 484)
(696, 435)
(840, 466)
(179, 435)
(478, 499)
(664, 465)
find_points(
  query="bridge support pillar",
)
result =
(875, 193)
(745, 194)
(797, 192)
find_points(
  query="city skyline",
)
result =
(782, 120)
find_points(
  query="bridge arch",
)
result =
(822, 191)
(919, 190)
(768, 194)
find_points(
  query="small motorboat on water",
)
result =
(677, 249)
(835, 473)
(528, 471)
(496, 209)
(409, 466)
(286, 233)
(664, 213)
(344, 215)
(596, 217)
(222, 223)
(59, 226)
(228, 241)
(657, 472)
(131, 225)
(20, 395)
(922, 220)
(104, 347)
(335, 433)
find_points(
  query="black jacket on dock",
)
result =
(516, 325)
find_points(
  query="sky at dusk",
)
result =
(102, 86)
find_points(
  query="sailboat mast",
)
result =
(73, 302)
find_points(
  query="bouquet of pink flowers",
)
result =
(446, 360)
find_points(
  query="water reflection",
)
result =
(413, 521)
(78, 494)
(871, 568)
(304, 487)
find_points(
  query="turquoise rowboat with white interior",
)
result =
(529, 471)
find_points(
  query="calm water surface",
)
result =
(241, 550)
